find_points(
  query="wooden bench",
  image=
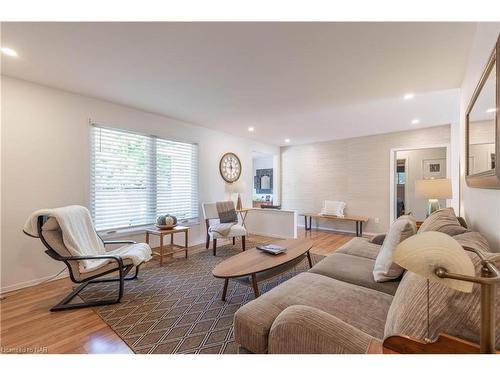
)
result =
(359, 220)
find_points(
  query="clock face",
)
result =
(230, 167)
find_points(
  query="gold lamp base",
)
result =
(238, 203)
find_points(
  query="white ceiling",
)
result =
(304, 81)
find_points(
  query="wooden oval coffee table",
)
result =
(253, 266)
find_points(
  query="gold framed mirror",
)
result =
(482, 130)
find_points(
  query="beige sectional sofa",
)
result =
(337, 307)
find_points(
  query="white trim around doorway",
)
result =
(392, 173)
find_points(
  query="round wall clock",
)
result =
(230, 167)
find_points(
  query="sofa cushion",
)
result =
(451, 311)
(444, 221)
(385, 269)
(307, 330)
(361, 247)
(378, 239)
(236, 230)
(473, 241)
(353, 269)
(360, 307)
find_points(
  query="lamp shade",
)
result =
(425, 252)
(236, 187)
(433, 188)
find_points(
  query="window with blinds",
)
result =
(135, 178)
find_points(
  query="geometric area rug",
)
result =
(177, 308)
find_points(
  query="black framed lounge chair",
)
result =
(112, 262)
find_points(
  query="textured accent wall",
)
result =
(354, 170)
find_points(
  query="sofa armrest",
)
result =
(306, 330)
(378, 239)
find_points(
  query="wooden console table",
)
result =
(173, 247)
(359, 220)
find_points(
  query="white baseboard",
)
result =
(26, 284)
(266, 235)
(338, 230)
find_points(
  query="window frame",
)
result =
(153, 177)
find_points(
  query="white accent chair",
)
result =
(237, 230)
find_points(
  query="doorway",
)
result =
(264, 179)
(410, 165)
(401, 168)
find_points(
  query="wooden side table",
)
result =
(174, 248)
(243, 214)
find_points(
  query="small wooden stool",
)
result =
(173, 247)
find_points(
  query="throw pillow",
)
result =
(384, 268)
(444, 221)
(334, 208)
(227, 212)
(473, 241)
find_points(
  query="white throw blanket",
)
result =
(81, 239)
(222, 228)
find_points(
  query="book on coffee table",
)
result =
(272, 249)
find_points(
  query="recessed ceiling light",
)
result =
(409, 96)
(415, 121)
(9, 52)
(251, 129)
(287, 140)
(491, 110)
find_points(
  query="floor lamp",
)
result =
(235, 189)
(438, 257)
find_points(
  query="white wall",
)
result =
(271, 222)
(480, 207)
(45, 163)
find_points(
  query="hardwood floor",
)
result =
(27, 325)
(325, 242)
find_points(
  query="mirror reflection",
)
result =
(482, 156)
(265, 182)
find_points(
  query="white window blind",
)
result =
(135, 178)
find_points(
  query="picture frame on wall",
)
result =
(433, 168)
(263, 181)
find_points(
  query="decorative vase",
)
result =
(166, 221)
